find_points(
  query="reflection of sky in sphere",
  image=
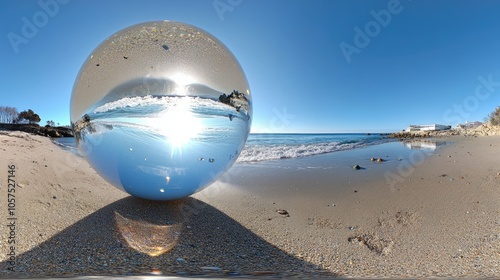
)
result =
(171, 122)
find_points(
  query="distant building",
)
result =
(469, 125)
(427, 127)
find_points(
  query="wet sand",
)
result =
(414, 215)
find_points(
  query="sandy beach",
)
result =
(416, 214)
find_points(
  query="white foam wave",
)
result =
(255, 153)
(166, 101)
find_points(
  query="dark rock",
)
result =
(54, 132)
(356, 167)
(283, 212)
(236, 99)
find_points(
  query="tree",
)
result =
(8, 114)
(30, 116)
(51, 123)
(494, 117)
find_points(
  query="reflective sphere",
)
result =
(161, 109)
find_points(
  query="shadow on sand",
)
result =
(136, 237)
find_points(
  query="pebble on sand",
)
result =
(211, 268)
(283, 212)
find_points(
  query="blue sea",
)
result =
(272, 147)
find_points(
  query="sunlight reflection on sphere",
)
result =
(161, 109)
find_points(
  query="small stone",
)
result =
(352, 228)
(282, 212)
(180, 260)
(211, 268)
(372, 159)
(380, 160)
(54, 197)
(356, 167)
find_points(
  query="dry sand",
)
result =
(442, 218)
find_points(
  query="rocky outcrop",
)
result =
(485, 130)
(54, 132)
(424, 134)
(482, 130)
(236, 99)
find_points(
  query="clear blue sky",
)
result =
(309, 67)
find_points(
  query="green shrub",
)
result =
(494, 117)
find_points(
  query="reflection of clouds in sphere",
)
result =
(154, 99)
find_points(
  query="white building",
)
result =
(427, 127)
(469, 125)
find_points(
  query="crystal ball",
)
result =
(161, 109)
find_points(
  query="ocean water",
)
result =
(283, 146)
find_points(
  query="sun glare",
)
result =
(183, 81)
(179, 124)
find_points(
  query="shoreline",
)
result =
(440, 220)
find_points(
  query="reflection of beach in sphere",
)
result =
(172, 132)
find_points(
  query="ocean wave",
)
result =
(187, 102)
(256, 153)
(149, 100)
